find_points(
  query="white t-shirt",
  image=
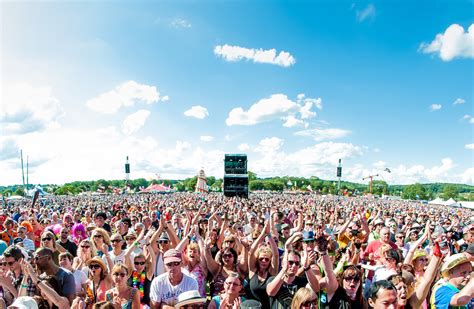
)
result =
(80, 278)
(161, 290)
(116, 258)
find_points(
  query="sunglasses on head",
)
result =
(173, 264)
(123, 275)
(139, 263)
(291, 263)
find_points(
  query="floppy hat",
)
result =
(99, 261)
(190, 298)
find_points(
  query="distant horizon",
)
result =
(296, 85)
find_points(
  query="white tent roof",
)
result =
(437, 201)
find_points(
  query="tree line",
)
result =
(287, 183)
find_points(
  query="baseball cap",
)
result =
(308, 235)
(172, 255)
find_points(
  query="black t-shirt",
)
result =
(340, 300)
(258, 290)
(69, 246)
(284, 296)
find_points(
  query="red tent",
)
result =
(157, 188)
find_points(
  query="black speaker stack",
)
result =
(236, 178)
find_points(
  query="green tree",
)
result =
(19, 191)
(415, 192)
(450, 191)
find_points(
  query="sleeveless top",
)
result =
(128, 304)
(217, 300)
(198, 274)
(98, 292)
(258, 290)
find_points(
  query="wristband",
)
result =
(25, 285)
(307, 268)
(323, 253)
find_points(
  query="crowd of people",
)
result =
(186, 250)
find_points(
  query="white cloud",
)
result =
(237, 53)
(367, 13)
(270, 144)
(468, 176)
(26, 108)
(206, 138)
(291, 122)
(243, 147)
(380, 164)
(277, 106)
(454, 43)
(469, 146)
(435, 107)
(459, 101)
(135, 121)
(180, 23)
(182, 146)
(126, 94)
(197, 111)
(324, 134)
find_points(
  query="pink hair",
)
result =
(78, 232)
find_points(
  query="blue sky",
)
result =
(294, 84)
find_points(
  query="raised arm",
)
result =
(421, 291)
(414, 247)
(212, 265)
(252, 261)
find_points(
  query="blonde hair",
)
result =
(120, 266)
(301, 296)
(92, 245)
(194, 246)
(50, 234)
(266, 250)
(105, 235)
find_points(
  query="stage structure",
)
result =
(201, 185)
(236, 178)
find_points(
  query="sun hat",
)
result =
(164, 237)
(190, 298)
(99, 261)
(172, 255)
(419, 253)
(24, 302)
(452, 262)
(251, 304)
(378, 221)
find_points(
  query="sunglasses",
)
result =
(130, 238)
(352, 278)
(46, 239)
(139, 263)
(94, 266)
(97, 236)
(232, 283)
(38, 257)
(309, 304)
(230, 241)
(163, 242)
(8, 263)
(291, 263)
(123, 275)
(115, 240)
(264, 259)
(85, 247)
(173, 264)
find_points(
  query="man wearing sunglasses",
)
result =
(166, 288)
(45, 263)
(13, 256)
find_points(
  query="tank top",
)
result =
(198, 275)
(128, 304)
(258, 290)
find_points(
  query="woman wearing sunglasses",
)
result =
(142, 276)
(305, 299)
(85, 252)
(263, 263)
(122, 295)
(100, 237)
(99, 281)
(48, 241)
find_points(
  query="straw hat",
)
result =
(190, 298)
(452, 262)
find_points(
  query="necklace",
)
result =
(139, 282)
